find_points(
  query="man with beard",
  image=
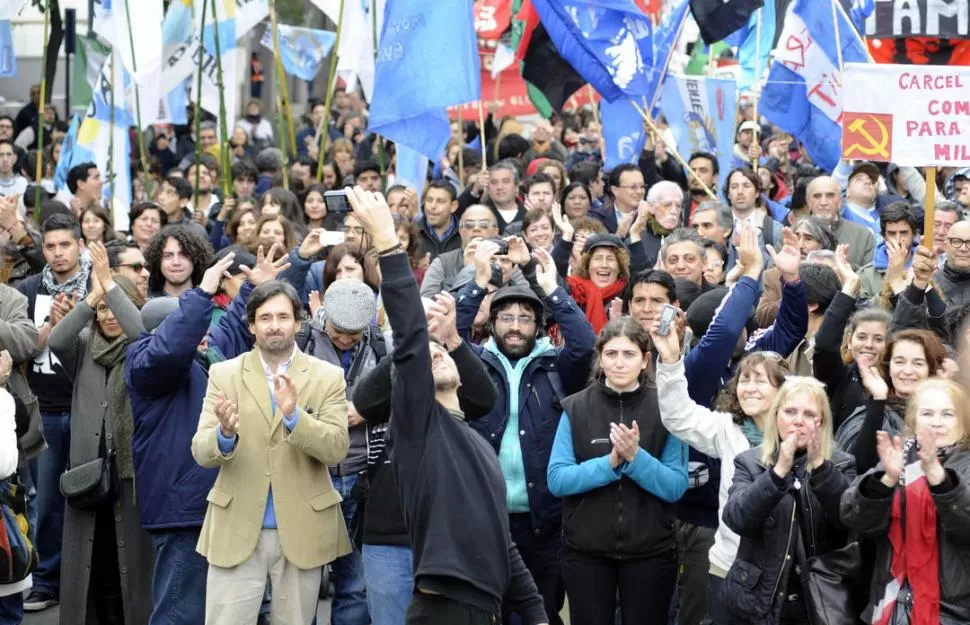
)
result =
(465, 564)
(177, 258)
(706, 167)
(825, 202)
(272, 420)
(532, 377)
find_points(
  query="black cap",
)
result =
(701, 311)
(603, 240)
(515, 294)
(242, 257)
(865, 167)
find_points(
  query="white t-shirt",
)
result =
(13, 186)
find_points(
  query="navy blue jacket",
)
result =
(167, 382)
(539, 398)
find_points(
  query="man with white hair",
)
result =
(664, 207)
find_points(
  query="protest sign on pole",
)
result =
(921, 111)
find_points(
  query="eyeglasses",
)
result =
(480, 223)
(957, 243)
(353, 229)
(524, 320)
(136, 267)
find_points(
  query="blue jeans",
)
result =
(178, 582)
(12, 609)
(389, 572)
(541, 556)
(47, 469)
(350, 592)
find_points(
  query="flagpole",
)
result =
(481, 131)
(328, 100)
(663, 75)
(111, 140)
(197, 122)
(381, 157)
(757, 82)
(838, 39)
(461, 150)
(40, 121)
(142, 154)
(930, 207)
(281, 82)
(224, 151)
(680, 159)
(281, 129)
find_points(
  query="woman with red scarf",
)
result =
(601, 274)
(916, 504)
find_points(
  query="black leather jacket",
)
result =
(865, 511)
(761, 509)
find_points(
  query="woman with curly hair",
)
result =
(177, 258)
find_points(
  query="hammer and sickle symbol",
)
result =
(876, 146)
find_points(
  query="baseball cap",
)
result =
(749, 125)
(242, 258)
(153, 313)
(350, 305)
(867, 168)
(603, 240)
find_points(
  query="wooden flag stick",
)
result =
(481, 131)
(930, 208)
(281, 82)
(142, 153)
(225, 160)
(757, 82)
(672, 150)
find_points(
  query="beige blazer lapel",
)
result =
(254, 379)
(299, 372)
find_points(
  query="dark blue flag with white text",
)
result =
(420, 72)
(613, 44)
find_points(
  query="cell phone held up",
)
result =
(667, 316)
(336, 201)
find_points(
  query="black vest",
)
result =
(621, 519)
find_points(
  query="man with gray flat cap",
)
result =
(343, 334)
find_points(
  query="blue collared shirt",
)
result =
(227, 445)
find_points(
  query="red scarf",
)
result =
(593, 299)
(916, 553)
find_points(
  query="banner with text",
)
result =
(947, 19)
(924, 110)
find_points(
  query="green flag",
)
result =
(88, 61)
(697, 66)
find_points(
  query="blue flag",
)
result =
(753, 65)
(411, 169)
(420, 73)
(67, 152)
(302, 50)
(612, 44)
(804, 92)
(8, 59)
(622, 132)
(859, 12)
(700, 112)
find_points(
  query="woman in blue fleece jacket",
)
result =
(618, 471)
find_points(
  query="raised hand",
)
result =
(375, 216)
(442, 323)
(228, 414)
(789, 258)
(928, 458)
(644, 210)
(749, 252)
(286, 394)
(484, 253)
(311, 245)
(479, 182)
(565, 228)
(616, 308)
(266, 268)
(212, 278)
(890, 450)
(667, 346)
(62, 304)
(873, 380)
(518, 251)
(225, 211)
(546, 274)
(100, 266)
(316, 303)
(924, 266)
(848, 277)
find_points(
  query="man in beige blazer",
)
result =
(272, 420)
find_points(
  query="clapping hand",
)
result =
(228, 414)
(789, 258)
(62, 304)
(929, 459)
(813, 446)
(786, 455)
(266, 268)
(890, 450)
(873, 380)
(848, 277)
(316, 303)
(100, 268)
(442, 324)
(626, 441)
(286, 394)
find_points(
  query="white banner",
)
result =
(911, 115)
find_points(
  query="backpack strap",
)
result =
(768, 228)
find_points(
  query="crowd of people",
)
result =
(532, 380)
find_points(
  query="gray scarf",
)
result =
(76, 284)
